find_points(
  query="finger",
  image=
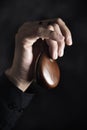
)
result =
(61, 48)
(48, 34)
(61, 43)
(53, 46)
(59, 38)
(66, 32)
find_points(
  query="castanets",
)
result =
(47, 72)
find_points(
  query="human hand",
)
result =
(54, 32)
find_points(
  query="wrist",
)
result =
(17, 80)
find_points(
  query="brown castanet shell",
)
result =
(47, 72)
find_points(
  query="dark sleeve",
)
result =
(12, 103)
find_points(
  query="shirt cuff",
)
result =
(12, 96)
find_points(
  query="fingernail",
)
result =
(61, 53)
(55, 55)
(69, 41)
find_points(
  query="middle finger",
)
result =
(61, 42)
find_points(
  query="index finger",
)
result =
(66, 32)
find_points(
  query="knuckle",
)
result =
(50, 27)
(59, 20)
(61, 37)
(61, 44)
(53, 44)
(68, 33)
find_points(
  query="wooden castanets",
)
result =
(47, 72)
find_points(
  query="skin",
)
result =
(27, 48)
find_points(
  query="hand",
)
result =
(27, 47)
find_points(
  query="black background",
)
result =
(73, 64)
